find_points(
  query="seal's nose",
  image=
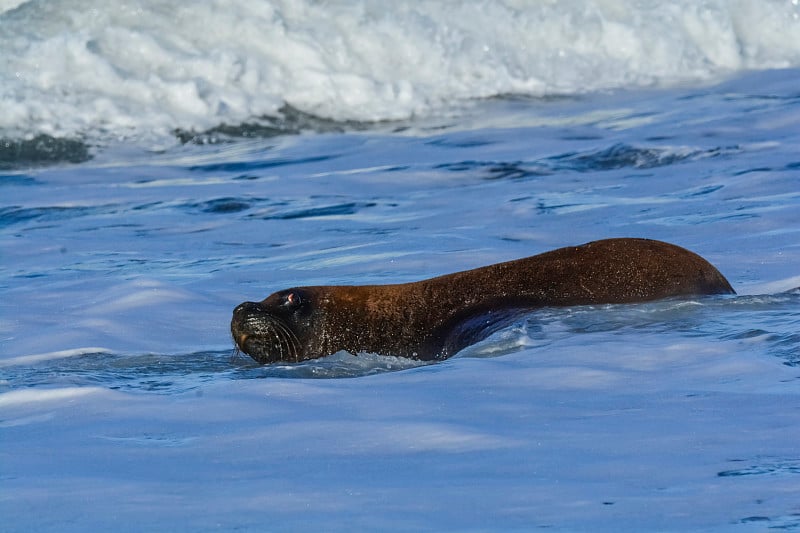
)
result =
(246, 309)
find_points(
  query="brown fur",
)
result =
(435, 318)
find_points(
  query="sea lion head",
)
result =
(278, 328)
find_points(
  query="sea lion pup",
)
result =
(437, 317)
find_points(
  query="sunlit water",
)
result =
(124, 405)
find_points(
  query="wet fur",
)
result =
(437, 317)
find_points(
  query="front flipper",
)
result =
(476, 327)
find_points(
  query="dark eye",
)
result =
(291, 299)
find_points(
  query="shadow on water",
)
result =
(763, 323)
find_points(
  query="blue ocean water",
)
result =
(138, 207)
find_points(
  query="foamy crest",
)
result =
(29, 396)
(107, 70)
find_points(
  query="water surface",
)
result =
(125, 246)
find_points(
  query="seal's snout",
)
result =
(241, 314)
(262, 335)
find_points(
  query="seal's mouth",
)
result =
(262, 336)
(240, 340)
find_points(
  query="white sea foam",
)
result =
(111, 70)
(772, 287)
(50, 356)
(29, 396)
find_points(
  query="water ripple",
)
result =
(623, 155)
(175, 374)
(249, 166)
(615, 157)
(17, 214)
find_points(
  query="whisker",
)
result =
(292, 342)
(278, 330)
(235, 353)
(273, 340)
(273, 332)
